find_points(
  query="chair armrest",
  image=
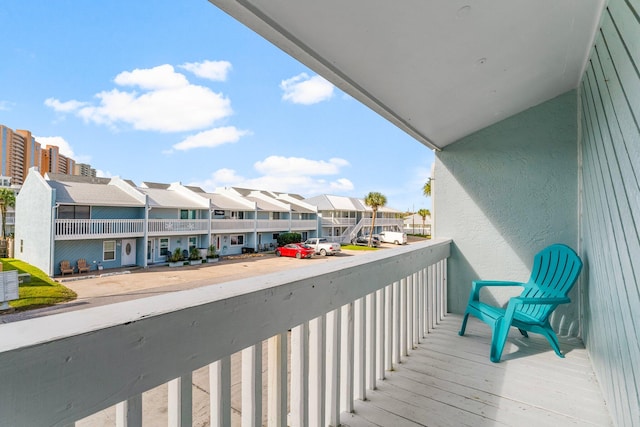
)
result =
(476, 285)
(546, 301)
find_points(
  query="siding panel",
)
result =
(610, 109)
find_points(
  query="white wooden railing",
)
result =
(97, 228)
(273, 225)
(161, 227)
(328, 222)
(350, 321)
(304, 224)
(232, 225)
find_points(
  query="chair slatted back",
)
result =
(555, 271)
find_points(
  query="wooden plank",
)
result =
(252, 386)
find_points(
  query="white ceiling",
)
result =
(442, 69)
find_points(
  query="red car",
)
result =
(297, 250)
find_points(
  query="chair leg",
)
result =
(553, 340)
(498, 339)
(464, 324)
(524, 333)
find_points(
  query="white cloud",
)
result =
(291, 177)
(64, 107)
(290, 166)
(211, 138)
(167, 103)
(212, 70)
(63, 146)
(302, 89)
(160, 77)
(103, 174)
(5, 105)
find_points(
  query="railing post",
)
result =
(404, 342)
(333, 366)
(360, 365)
(252, 386)
(388, 359)
(397, 323)
(300, 375)
(347, 347)
(410, 319)
(180, 401)
(371, 341)
(317, 372)
(277, 374)
(381, 333)
(220, 392)
(416, 310)
(129, 412)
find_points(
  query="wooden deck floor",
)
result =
(449, 381)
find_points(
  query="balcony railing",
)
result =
(273, 225)
(343, 222)
(356, 316)
(162, 227)
(68, 229)
(304, 224)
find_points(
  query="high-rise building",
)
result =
(19, 152)
(83, 169)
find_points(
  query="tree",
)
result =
(7, 200)
(426, 190)
(375, 201)
(424, 213)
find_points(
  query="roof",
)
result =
(94, 194)
(220, 201)
(264, 205)
(159, 197)
(439, 70)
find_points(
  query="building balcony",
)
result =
(73, 229)
(333, 333)
(304, 224)
(165, 227)
(338, 222)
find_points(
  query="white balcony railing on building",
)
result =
(272, 225)
(232, 225)
(162, 227)
(304, 224)
(356, 316)
(67, 229)
(341, 222)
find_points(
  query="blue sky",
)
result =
(168, 91)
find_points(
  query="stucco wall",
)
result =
(33, 222)
(506, 192)
(610, 117)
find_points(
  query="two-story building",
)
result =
(111, 222)
(344, 218)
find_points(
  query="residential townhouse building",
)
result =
(344, 218)
(112, 223)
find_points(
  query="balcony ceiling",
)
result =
(440, 70)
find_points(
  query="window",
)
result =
(275, 236)
(74, 212)
(164, 247)
(187, 214)
(237, 215)
(193, 242)
(275, 215)
(109, 250)
(237, 240)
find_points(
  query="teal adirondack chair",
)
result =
(555, 270)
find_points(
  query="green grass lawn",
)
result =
(358, 248)
(42, 291)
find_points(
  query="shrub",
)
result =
(176, 256)
(286, 238)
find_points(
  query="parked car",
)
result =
(364, 241)
(297, 250)
(395, 237)
(323, 246)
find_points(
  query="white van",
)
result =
(395, 237)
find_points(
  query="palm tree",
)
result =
(374, 200)
(426, 190)
(7, 200)
(424, 213)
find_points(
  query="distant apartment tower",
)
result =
(83, 169)
(19, 152)
(54, 162)
(12, 156)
